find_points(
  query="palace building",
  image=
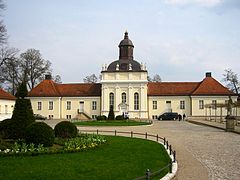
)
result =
(125, 87)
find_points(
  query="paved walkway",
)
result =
(202, 152)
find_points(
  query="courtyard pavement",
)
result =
(202, 152)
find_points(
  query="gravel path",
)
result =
(202, 152)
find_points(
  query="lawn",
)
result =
(112, 123)
(120, 158)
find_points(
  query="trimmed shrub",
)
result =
(119, 117)
(22, 114)
(100, 118)
(6, 129)
(65, 129)
(111, 115)
(39, 133)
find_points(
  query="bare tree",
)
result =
(9, 69)
(231, 79)
(33, 67)
(3, 30)
(57, 79)
(156, 78)
(10, 75)
(90, 79)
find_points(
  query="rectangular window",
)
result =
(182, 104)
(154, 104)
(94, 105)
(39, 105)
(69, 103)
(136, 101)
(214, 104)
(94, 117)
(50, 105)
(201, 104)
(69, 117)
(154, 116)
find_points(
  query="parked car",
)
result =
(39, 117)
(168, 116)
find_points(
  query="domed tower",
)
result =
(125, 61)
(124, 84)
(126, 48)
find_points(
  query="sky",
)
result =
(180, 40)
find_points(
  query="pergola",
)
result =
(210, 108)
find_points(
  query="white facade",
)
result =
(132, 84)
(6, 108)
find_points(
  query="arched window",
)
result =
(136, 101)
(111, 99)
(124, 97)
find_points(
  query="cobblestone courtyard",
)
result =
(202, 152)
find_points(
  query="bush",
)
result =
(119, 117)
(65, 129)
(6, 129)
(39, 133)
(22, 114)
(100, 118)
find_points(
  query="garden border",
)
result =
(162, 140)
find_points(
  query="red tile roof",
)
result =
(6, 95)
(48, 88)
(81, 89)
(209, 86)
(171, 88)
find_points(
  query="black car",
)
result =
(168, 116)
(39, 117)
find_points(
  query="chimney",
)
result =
(48, 76)
(208, 74)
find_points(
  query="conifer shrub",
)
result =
(40, 133)
(65, 129)
(111, 115)
(22, 113)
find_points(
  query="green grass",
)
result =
(120, 158)
(111, 123)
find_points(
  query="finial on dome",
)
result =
(126, 35)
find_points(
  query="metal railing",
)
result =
(156, 138)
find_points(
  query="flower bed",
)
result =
(77, 144)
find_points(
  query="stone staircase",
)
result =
(82, 116)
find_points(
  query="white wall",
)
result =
(6, 108)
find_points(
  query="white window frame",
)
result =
(69, 105)
(136, 101)
(94, 105)
(201, 104)
(182, 104)
(124, 97)
(154, 104)
(39, 105)
(50, 105)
